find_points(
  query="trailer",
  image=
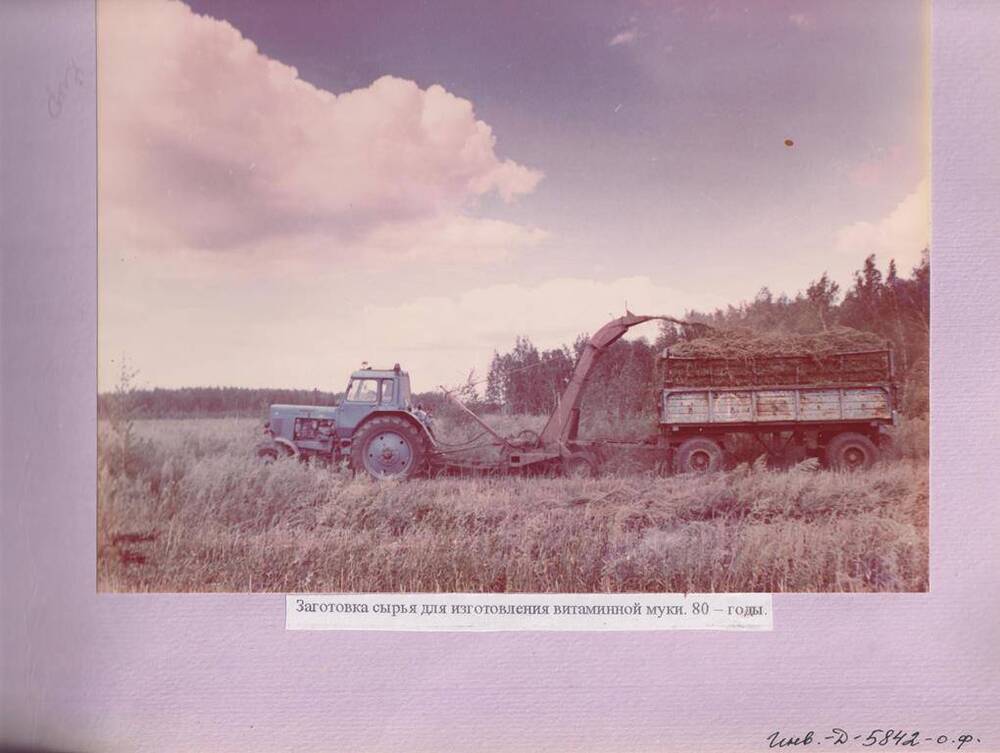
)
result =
(836, 407)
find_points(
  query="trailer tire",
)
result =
(850, 451)
(699, 455)
(389, 447)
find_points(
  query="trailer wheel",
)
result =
(851, 451)
(580, 464)
(389, 447)
(698, 455)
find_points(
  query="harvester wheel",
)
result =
(526, 438)
(699, 455)
(580, 464)
(851, 451)
(389, 447)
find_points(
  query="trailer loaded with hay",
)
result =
(829, 395)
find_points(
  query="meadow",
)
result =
(184, 505)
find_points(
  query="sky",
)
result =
(286, 190)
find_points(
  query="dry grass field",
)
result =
(184, 505)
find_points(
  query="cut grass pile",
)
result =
(743, 357)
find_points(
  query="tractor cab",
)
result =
(370, 391)
(389, 390)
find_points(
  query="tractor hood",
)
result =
(304, 411)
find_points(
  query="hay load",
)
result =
(741, 358)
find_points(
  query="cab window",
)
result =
(363, 391)
(386, 398)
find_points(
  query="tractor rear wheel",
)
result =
(699, 455)
(851, 451)
(389, 447)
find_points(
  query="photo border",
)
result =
(102, 671)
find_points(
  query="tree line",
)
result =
(189, 402)
(222, 402)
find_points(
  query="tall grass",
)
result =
(189, 508)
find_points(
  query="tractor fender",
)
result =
(402, 414)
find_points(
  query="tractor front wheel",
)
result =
(267, 453)
(389, 447)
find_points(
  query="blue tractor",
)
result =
(375, 428)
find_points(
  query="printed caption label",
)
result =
(528, 612)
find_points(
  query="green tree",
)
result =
(822, 296)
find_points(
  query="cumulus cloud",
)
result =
(628, 36)
(552, 312)
(453, 238)
(439, 338)
(901, 235)
(314, 338)
(206, 143)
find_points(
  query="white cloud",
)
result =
(901, 235)
(552, 312)
(628, 36)
(206, 143)
(452, 238)
(441, 337)
(315, 340)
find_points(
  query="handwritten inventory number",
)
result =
(875, 738)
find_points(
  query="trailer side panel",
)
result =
(764, 406)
